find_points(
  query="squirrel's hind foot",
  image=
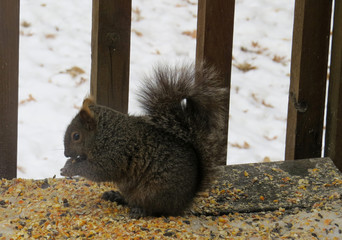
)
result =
(114, 196)
(137, 213)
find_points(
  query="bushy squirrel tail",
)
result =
(190, 103)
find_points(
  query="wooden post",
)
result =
(110, 53)
(9, 57)
(215, 24)
(310, 47)
(333, 139)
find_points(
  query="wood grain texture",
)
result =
(333, 139)
(310, 47)
(9, 57)
(111, 31)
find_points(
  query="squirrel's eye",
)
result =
(76, 136)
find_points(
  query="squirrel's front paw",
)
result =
(114, 196)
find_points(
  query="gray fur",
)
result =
(158, 161)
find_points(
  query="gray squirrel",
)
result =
(160, 160)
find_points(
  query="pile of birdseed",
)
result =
(72, 208)
(285, 200)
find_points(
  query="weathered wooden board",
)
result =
(111, 34)
(333, 139)
(9, 59)
(261, 187)
(310, 47)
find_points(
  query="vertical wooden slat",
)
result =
(333, 140)
(9, 56)
(215, 24)
(310, 46)
(111, 29)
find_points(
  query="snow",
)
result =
(55, 71)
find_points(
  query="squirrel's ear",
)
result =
(87, 116)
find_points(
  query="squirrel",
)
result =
(160, 160)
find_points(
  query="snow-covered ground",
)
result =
(55, 69)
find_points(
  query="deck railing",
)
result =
(110, 69)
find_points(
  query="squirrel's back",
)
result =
(189, 102)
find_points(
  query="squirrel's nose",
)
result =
(67, 153)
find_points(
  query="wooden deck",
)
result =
(261, 201)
